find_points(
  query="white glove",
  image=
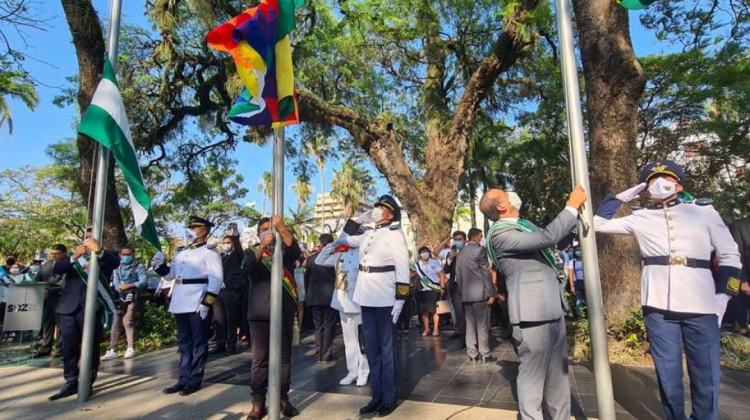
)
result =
(398, 306)
(631, 193)
(203, 311)
(365, 217)
(158, 260)
(722, 299)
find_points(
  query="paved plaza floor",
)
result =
(435, 382)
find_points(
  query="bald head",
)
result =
(496, 203)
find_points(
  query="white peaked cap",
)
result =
(515, 200)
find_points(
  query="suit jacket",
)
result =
(535, 294)
(741, 234)
(319, 282)
(232, 264)
(259, 291)
(73, 295)
(473, 274)
(47, 275)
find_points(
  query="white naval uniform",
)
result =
(198, 262)
(347, 269)
(681, 230)
(383, 246)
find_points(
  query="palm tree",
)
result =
(298, 221)
(266, 187)
(24, 91)
(320, 147)
(303, 189)
(351, 185)
(462, 214)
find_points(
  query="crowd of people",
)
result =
(367, 282)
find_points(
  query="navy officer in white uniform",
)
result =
(198, 277)
(382, 288)
(682, 305)
(346, 262)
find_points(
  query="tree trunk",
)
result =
(472, 199)
(89, 44)
(614, 84)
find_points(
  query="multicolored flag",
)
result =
(258, 40)
(106, 122)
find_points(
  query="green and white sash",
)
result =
(426, 282)
(550, 254)
(105, 295)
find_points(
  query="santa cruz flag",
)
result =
(258, 40)
(106, 122)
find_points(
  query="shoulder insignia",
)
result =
(734, 284)
(704, 201)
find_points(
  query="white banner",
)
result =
(23, 309)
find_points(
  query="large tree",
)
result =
(88, 40)
(614, 84)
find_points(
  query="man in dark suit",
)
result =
(477, 295)
(257, 265)
(739, 306)
(525, 254)
(319, 286)
(454, 290)
(71, 309)
(227, 308)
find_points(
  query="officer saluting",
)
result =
(197, 272)
(681, 302)
(382, 287)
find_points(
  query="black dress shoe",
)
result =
(42, 353)
(474, 359)
(66, 391)
(386, 409)
(370, 408)
(174, 389)
(489, 359)
(188, 390)
(288, 410)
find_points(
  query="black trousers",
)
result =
(458, 308)
(227, 315)
(192, 341)
(324, 320)
(50, 320)
(405, 316)
(738, 309)
(71, 330)
(259, 338)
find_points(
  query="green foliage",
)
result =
(579, 338)
(352, 185)
(735, 352)
(633, 330)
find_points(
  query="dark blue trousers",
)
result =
(71, 331)
(668, 334)
(192, 340)
(379, 331)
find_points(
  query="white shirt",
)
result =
(684, 230)
(347, 272)
(380, 247)
(194, 263)
(430, 269)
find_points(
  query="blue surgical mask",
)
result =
(578, 254)
(126, 259)
(458, 244)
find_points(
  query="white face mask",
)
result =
(377, 215)
(191, 234)
(14, 271)
(483, 242)
(425, 255)
(225, 248)
(661, 189)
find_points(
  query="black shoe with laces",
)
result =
(386, 409)
(370, 408)
(174, 389)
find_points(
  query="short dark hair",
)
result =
(263, 221)
(459, 233)
(425, 248)
(473, 233)
(128, 247)
(59, 247)
(226, 237)
(325, 239)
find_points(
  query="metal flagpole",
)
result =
(89, 321)
(587, 237)
(277, 276)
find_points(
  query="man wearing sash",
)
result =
(525, 255)
(346, 262)
(198, 277)
(257, 265)
(73, 301)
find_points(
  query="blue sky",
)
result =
(35, 130)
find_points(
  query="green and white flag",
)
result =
(106, 122)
